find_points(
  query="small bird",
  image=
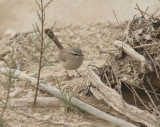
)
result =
(71, 58)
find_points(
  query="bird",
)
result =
(71, 58)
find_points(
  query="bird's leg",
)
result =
(67, 76)
(78, 73)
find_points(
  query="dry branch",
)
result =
(41, 102)
(56, 92)
(146, 45)
(115, 100)
(106, 50)
(131, 52)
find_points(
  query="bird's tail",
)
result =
(50, 34)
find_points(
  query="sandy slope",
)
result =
(95, 35)
(19, 15)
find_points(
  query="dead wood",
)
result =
(56, 92)
(131, 52)
(115, 100)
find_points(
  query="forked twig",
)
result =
(140, 11)
(146, 11)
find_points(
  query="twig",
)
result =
(115, 16)
(146, 11)
(153, 106)
(145, 45)
(153, 63)
(127, 30)
(93, 66)
(155, 12)
(117, 80)
(152, 87)
(86, 107)
(147, 90)
(132, 93)
(5, 105)
(41, 51)
(140, 11)
(140, 98)
(150, 97)
(107, 79)
(9, 75)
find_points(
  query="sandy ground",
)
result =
(78, 85)
(91, 26)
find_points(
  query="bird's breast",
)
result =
(72, 62)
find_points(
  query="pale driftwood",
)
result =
(56, 92)
(107, 50)
(115, 100)
(41, 102)
(131, 52)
